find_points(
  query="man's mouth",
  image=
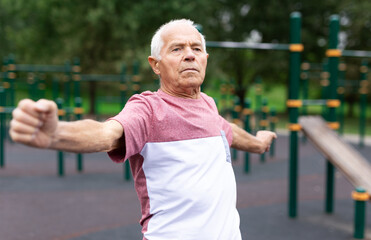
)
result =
(190, 70)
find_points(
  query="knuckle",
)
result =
(24, 103)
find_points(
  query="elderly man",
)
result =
(175, 140)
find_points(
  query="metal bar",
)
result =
(246, 45)
(97, 77)
(356, 53)
(247, 106)
(333, 65)
(41, 68)
(314, 102)
(294, 78)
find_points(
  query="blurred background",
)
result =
(105, 35)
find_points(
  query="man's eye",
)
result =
(197, 49)
(176, 49)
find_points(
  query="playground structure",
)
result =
(317, 74)
(332, 103)
(356, 169)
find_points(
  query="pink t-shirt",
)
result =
(179, 155)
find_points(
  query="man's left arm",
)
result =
(244, 141)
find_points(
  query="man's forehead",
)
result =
(181, 33)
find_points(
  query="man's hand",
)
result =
(266, 137)
(244, 141)
(34, 123)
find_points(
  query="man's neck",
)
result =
(192, 93)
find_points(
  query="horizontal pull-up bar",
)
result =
(356, 53)
(245, 45)
(41, 68)
(102, 77)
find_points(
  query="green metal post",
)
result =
(78, 114)
(333, 65)
(55, 87)
(294, 78)
(264, 122)
(31, 85)
(363, 91)
(223, 92)
(360, 197)
(60, 153)
(258, 101)
(247, 113)
(273, 121)
(5, 83)
(325, 84)
(34, 88)
(41, 86)
(67, 87)
(341, 96)
(2, 127)
(304, 76)
(76, 70)
(11, 79)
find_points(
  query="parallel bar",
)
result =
(245, 45)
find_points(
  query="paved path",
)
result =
(35, 204)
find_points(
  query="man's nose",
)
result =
(189, 54)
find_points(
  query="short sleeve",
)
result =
(226, 126)
(135, 119)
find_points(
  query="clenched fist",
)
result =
(34, 123)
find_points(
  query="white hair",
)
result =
(157, 42)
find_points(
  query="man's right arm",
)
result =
(36, 124)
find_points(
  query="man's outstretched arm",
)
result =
(36, 124)
(244, 141)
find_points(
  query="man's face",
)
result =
(183, 61)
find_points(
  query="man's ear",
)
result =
(154, 64)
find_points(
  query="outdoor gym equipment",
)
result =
(293, 104)
(350, 163)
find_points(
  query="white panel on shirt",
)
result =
(192, 190)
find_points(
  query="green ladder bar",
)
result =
(341, 96)
(60, 154)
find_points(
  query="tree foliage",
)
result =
(104, 34)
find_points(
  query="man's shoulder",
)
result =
(144, 96)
